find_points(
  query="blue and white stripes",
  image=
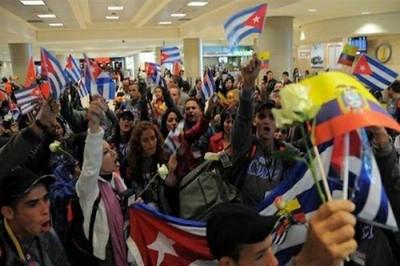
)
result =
(381, 76)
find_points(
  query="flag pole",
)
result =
(345, 168)
(323, 175)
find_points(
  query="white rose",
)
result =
(55, 146)
(297, 106)
(7, 117)
(162, 171)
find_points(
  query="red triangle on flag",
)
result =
(36, 92)
(69, 63)
(362, 66)
(163, 57)
(257, 19)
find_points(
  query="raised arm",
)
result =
(241, 131)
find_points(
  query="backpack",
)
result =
(208, 185)
(80, 249)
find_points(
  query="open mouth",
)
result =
(267, 129)
(46, 226)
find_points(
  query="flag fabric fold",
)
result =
(173, 140)
(364, 179)
(52, 72)
(153, 72)
(374, 74)
(105, 86)
(244, 23)
(170, 55)
(96, 81)
(208, 88)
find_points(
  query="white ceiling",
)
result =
(138, 24)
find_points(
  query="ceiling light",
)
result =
(312, 10)
(165, 22)
(32, 2)
(178, 15)
(115, 8)
(197, 3)
(46, 15)
(112, 17)
(56, 24)
(365, 13)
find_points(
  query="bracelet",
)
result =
(40, 125)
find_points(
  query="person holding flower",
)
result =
(140, 169)
(98, 179)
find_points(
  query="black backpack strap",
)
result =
(93, 217)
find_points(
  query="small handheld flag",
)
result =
(374, 74)
(244, 23)
(170, 55)
(348, 55)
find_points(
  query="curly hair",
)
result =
(135, 153)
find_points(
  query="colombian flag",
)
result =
(348, 55)
(346, 105)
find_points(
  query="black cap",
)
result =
(231, 224)
(126, 112)
(265, 104)
(19, 181)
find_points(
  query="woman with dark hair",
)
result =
(222, 140)
(139, 168)
(122, 133)
(170, 120)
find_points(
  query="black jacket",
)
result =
(47, 250)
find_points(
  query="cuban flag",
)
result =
(170, 55)
(105, 86)
(373, 73)
(208, 88)
(244, 23)
(173, 140)
(364, 179)
(14, 109)
(82, 91)
(52, 72)
(73, 69)
(153, 72)
(28, 95)
(28, 107)
(158, 239)
(91, 72)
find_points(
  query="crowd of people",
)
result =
(106, 158)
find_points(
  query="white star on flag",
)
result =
(256, 19)
(163, 245)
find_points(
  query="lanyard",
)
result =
(15, 241)
(18, 246)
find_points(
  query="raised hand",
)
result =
(250, 72)
(96, 111)
(48, 112)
